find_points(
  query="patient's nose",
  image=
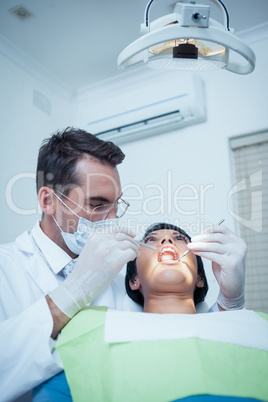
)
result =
(167, 239)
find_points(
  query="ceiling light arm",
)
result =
(223, 8)
(146, 13)
(218, 3)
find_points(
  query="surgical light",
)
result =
(188, 39)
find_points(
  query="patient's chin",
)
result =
(173, 279)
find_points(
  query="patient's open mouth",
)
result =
(170, 254)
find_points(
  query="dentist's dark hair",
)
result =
(131, 272)
(60, 153)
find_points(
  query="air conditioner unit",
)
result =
(155, 107)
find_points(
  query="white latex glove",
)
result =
(228, 255)
(101, 259)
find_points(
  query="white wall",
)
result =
(23, 127)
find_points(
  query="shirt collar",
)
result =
(55, 256)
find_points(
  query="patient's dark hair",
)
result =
(59, 154)
(136, 295)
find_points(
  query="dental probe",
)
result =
(150, 247)
(188, 251)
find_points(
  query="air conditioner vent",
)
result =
(149, 109)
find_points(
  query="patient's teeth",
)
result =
(168, 252)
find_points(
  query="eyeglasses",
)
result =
(100, 212)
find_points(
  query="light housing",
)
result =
(165, 42)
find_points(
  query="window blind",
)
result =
(250, 210)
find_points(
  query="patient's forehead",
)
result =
(161, 231)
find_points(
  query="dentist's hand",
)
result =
(101, 259)
(228, 255)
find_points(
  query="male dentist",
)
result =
(77, 183)
(73, 255)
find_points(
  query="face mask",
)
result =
(76, 241)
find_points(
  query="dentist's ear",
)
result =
(47, 200)
(135, 285)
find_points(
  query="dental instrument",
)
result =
(150, 247)
(188, 251)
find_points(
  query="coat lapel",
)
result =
(36, 265)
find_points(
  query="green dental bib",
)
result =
(156, 371)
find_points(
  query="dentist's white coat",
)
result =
(27, 354)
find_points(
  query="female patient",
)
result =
(156, 280)
(161, 282)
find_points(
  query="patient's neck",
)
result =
(169, 304)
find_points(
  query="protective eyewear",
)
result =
(100, 212)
